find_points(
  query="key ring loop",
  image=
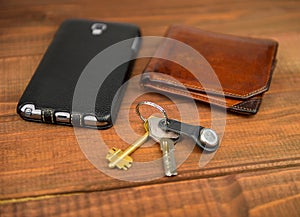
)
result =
(137, 109)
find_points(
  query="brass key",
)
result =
(121, 159)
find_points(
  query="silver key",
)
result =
(167, 148)
(167, 141)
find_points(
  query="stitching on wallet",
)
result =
(244, 108)
(212, 90)
(187, 94)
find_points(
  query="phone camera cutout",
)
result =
(98, 28)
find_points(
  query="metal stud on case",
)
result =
(98, 28)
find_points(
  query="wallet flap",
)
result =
(245, 106)
(243, 65)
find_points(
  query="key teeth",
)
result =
(110, 165)
(113, 152)
(121, 167)
(171, 174)
(121, 159)
(127, 166)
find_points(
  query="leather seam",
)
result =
(211, 90)
(173, 90)
(244, 108)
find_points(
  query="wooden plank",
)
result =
(27, 28)
(255, 172)
(42, 159)
(16, 73)
(39, 155)
(274, 192)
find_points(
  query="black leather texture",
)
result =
(73, 47)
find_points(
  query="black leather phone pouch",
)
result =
(53, 96)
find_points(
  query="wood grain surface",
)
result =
(49, 170)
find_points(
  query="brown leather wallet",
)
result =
(242, 65)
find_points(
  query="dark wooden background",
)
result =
(255, 172)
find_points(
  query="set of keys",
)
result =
(166, 132)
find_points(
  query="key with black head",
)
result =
(205, 138)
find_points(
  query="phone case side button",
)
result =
(91, 121)
(29, 111)
(62, 117)
(47, 116)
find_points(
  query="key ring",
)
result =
(137, 109)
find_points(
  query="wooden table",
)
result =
(255, 172)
